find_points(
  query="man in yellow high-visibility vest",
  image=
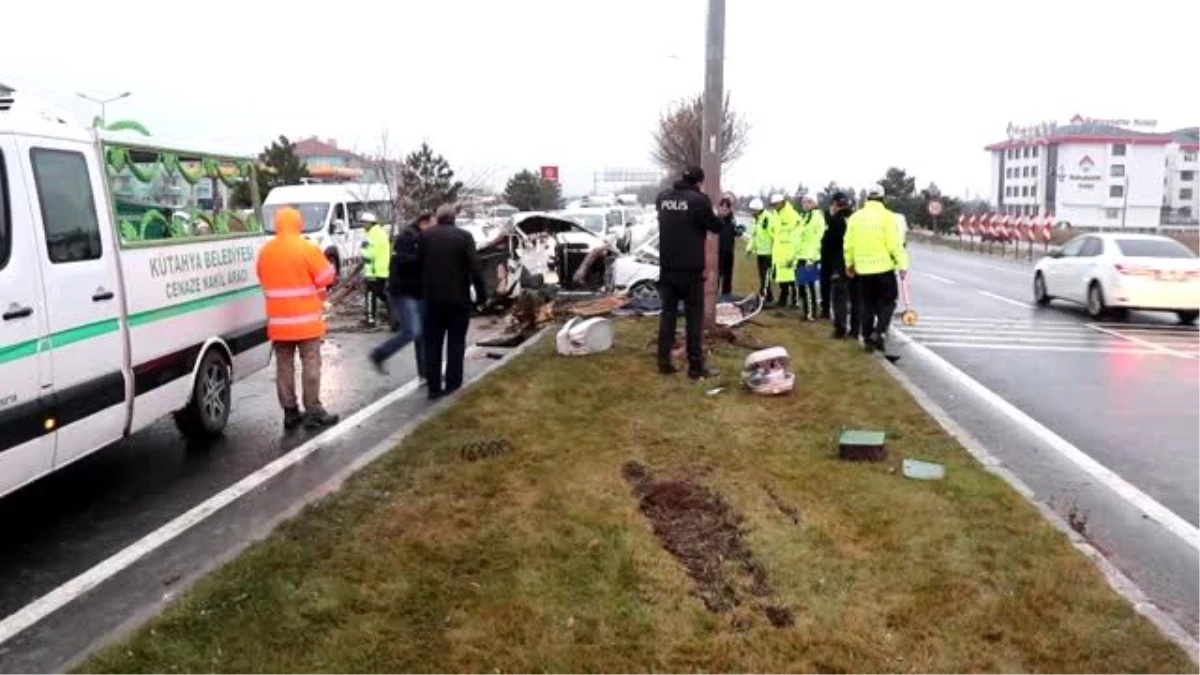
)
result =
(874, 253)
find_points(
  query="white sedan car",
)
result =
(1110, 273)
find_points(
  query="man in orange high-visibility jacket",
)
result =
(295, 275)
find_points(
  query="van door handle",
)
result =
(101, 295)
(16, 311)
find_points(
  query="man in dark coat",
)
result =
(449, 269)
(843, 302)
(725, 246)
(405, 296)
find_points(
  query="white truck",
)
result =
(331, 214)
(127, 286)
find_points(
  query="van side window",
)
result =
(68, 207)
(164, 196)
(5, 230)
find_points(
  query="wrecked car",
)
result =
(636, 273)
(538, 250)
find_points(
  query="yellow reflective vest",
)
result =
(872, 244)
(784, 241)
(759, 241)
(812, 228)
(377, 254)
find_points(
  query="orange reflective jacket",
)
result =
(294, 275)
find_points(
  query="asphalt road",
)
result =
(63, 525)
(1126, 394)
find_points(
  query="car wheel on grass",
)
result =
(1040, 296)
(644, 290)
(1188, 317)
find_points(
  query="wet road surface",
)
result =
(61, 526)
(1127, 394)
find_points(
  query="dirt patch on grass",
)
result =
(697, 526)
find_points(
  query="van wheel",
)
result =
(1188, 317)
(333, 258)
(208, 410)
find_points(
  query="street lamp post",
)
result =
(710, 152)
(103, 102)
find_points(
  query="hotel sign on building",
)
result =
(1091, 172)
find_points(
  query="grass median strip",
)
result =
(588, 543)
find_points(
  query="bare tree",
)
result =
(678, 138)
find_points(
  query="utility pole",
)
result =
(710, 152)
(103, 102)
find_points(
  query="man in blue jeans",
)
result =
(405, 296)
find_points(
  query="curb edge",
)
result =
(1117, 580)
(320, 491)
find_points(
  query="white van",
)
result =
(331, 213)
(115, 312)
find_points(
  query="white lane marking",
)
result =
(1001, 298)
(1151, 328)
(1139, 341)
(1083, 341)
(1015, 321)
(51, 602)
(1042, 348)
(989, 329)
(1140, 500)
(936, 277)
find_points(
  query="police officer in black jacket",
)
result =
(685, 217)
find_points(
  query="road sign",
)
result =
(550, 173)
(935, 208)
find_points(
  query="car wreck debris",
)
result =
(769, 372)
(580, 337)
(855, 445)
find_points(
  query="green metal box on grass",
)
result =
(857, 445)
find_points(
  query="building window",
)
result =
(1185, 194)
(1033, 170)
(1189, 156)
(1112, 214)
(1024, 190)
(1116, 190)
(1117, 170)
(1008, 172)
(1025, 172)
(1118, 149)
(1187, 175)
(1032, 190)
(1035, 151)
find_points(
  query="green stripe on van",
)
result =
(81, 333)
(151, 315)
(63, 338)
(18, 351)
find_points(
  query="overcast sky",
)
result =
(834, 91)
